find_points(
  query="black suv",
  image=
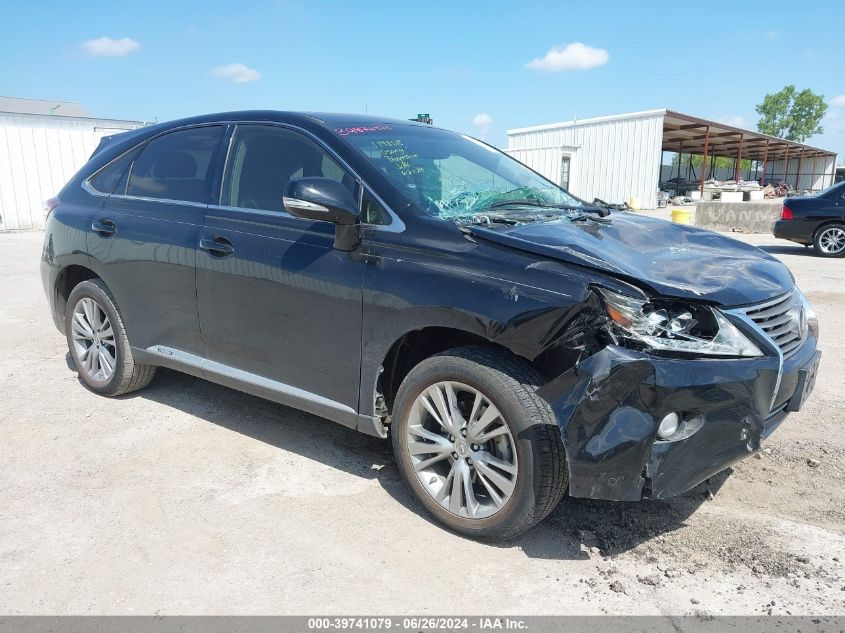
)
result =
(516, 342)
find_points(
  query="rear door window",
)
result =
(176, 166)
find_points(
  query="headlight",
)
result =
(809, 321)
(674, 326)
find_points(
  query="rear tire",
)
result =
(96, 338)
(512, 468)
(829, 240)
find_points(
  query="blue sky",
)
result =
(454, 60)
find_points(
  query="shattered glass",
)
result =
(455, 177)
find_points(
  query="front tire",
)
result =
(829, 240)
(476, 444)
(98, 345)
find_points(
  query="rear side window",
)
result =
(262, 161)
(176, 166)
(107, 178)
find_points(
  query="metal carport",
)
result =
(802, 166)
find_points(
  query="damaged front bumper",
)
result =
(610, 405)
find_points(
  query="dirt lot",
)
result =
(190, 498)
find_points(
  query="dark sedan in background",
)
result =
(818, 219)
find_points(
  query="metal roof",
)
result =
(596, 119)
(16, 105)
(687, 134)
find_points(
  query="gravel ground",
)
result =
(190, 498)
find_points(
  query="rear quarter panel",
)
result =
(65, 244)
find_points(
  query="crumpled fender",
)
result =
(610, 405)
(606, 432)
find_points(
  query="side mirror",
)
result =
(320, 199)
(327, 200)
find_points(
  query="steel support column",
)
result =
(765, 159)
(704, 158)
(680, 159)
(786, 166)
(798, 175)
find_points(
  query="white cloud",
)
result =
(482, 121)
(838, 101)
(731, 119)
(772, 35)
(238, 73)
(110, 47)
(574, 56)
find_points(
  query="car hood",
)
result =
(671, 259)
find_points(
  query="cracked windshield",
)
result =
(455, 177)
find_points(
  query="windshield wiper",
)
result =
(518, 202)
(523, 202)
(484, 218)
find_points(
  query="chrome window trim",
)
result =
(270, 214)
(187, 203)
(86, 184)
(88, 187)
(230, 130)
(396, 225)
(96, 192)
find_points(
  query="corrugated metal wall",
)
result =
(612, 158)
(722, 173)
(824, 168)
(38, 155)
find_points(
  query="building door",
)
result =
(565, 169)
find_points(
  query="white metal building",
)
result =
(619, 157)
(42, 144)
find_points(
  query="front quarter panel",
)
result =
(526, 305)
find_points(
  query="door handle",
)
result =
(218, 247)
(106, 228)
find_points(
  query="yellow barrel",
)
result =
(682, 216)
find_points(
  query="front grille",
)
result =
(783, 320)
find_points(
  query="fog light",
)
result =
(668, 426)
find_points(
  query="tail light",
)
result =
(49, 205)
(786, 213)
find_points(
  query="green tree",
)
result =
(791, 114)
(722, 162)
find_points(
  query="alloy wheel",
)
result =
(832, 240)
(462, 450)
(93, 340)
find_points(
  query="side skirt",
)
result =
(260, 386)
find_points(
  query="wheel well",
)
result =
(413, 348)
(825, 225)
(67, 280)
